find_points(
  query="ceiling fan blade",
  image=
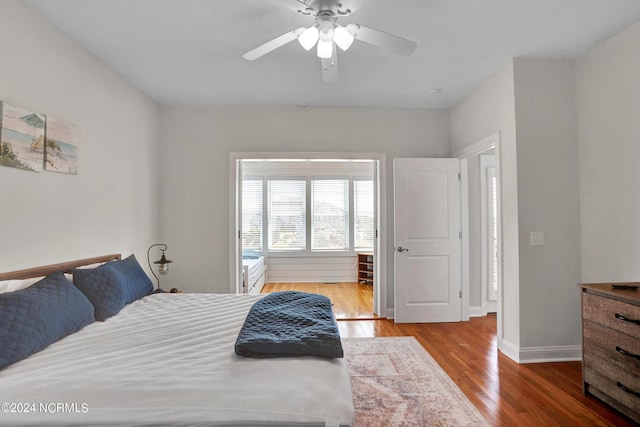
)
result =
(381, 39)
(330, 67)
(272, 45)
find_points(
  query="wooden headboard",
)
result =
(65, 267)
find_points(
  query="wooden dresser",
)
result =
(611, 346)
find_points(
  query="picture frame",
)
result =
(61, 149)
(22, 136)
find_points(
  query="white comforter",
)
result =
(168, 359)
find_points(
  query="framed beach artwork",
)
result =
(61, 150)
(21, 138)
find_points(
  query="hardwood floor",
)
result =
(350, 300)
(507, 394)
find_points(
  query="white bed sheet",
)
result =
(168, 359)
(255, 268)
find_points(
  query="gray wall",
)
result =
(112, 204)
(608, 119)
(196, 142)
(548, 201)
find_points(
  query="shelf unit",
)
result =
(365, 269)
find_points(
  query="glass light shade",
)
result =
(163, 265)
(325, 49)
(308, 38)
(343, 38)
(326, 32)
(163, 269)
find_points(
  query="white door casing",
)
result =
(427, 243)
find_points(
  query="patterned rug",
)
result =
(395, 382)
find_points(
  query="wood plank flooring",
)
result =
(507, 394)
(350, 300)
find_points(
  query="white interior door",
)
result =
(427, 240)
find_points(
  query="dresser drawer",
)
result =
(616, 347)
(610, 313)
(610, 379)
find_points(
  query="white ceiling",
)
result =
(189, 52)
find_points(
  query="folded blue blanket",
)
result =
(290, 323)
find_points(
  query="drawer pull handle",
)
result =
(621, 317)
(626, 353)
(625, 389)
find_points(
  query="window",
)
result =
(492, 182)
(287, 215)
(363, 214)
(307, 214)
(252, 214)
(330, 214)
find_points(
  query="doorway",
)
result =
(315, 246)
(482, 228)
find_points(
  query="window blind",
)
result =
(252, 214)
(329, 214)
(363, 214)
(287, 215)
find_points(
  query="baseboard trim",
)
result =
(509, 350)
(476, 311)
(566, 353)
(524, 355)
(390, 313)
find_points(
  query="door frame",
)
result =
(487, 143)
(380, 306)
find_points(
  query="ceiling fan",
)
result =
(326, 33)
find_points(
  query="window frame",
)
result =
(308, 251)
(262, 216)
(266, 217)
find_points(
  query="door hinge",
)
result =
(239, 234)
(459, 176)
(461, 294)
(376, 234)
(460, 235)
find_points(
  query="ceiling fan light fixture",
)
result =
(325, 49)
(343, 38)
(326, 31)
(309, 38)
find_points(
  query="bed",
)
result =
(168, 359)
(253, 274)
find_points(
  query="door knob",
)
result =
(401, 249)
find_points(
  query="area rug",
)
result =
(395, 382)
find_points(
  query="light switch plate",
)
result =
(537, 238)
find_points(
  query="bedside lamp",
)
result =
(163, 263)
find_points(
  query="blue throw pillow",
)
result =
(250, 254)
(35, 317)
(113, 285)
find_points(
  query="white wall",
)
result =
(489, 109)
(548, 201)
(111, 205)
(196, 142)
(609, 129)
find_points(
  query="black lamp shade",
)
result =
(163, 264)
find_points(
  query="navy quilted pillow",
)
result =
(113, 285)
(33, 318)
